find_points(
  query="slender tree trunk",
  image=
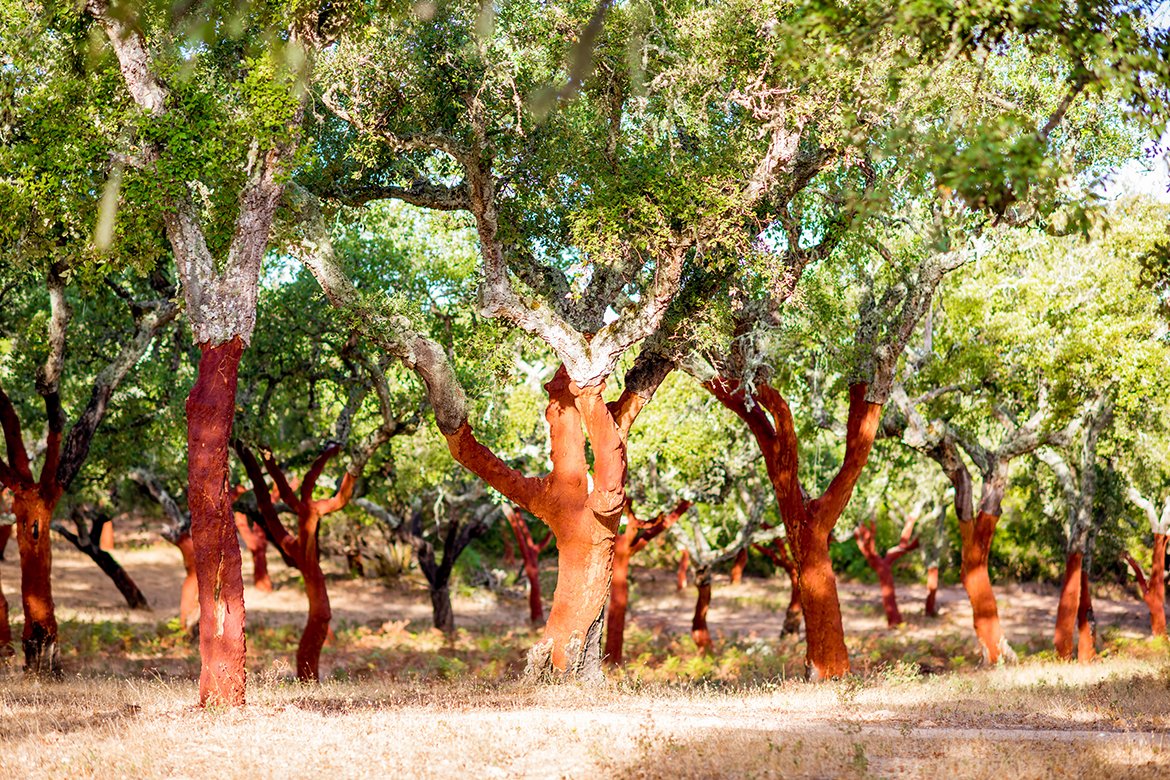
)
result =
(932, 592)
(530, 554)
(39, 640)
(793, 616)
(977, 536)
(684, 561)
(189, 597)
(1086, 623)
(866, 536)
(90, 544)
(443, 614)
(6, 648)
(619, 595)
(107, 538)
(1154, 591)
(1066, 611)
(210, 410)
(738, 566)
(320, 613)
(699, 630)
(257, 544)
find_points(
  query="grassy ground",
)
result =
(401, 700)
(1038, 720)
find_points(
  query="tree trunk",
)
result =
(317, 624)
(584, 567)
(6, 648)
(107, 538)
(1154, 591)
(210, 410)
(684, 561)
(257, 544)
(778, 552)
(826, 655)
(530, 554)
(932, 592)
(1086, 623)
(444, 615)
(619, 596)
(794, 615)
(1066, 611)
(977, 536)
(738, 566)
(189, 597)
(699, 630)
(39, 640)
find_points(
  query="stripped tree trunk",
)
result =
(684, 562)
(530, 553)
(884, 565)
(177, 533)
(6, 520)
(932, 556)
(738, 566)
(1154, 590)
(635, 537)
(808, 523)
(699, 631)
(257, 544)
(302, 548)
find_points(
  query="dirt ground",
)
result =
(753, 608)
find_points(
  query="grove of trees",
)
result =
(746, 274)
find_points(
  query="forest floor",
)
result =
(400, 700)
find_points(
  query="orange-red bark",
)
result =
(1154, 591)
(699, 631)
(976, 536)
(635, 537)
(6, 648)
(189, 596)
(583, 519)
(738, 566)
(809, 523)
(932, 592)
(530, 553)
(883, 565)
(684, 562)
(210, 411)
(302, 548)
(1074, 613)
(257, 544)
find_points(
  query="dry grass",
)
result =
(1036, 721)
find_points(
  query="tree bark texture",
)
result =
(977, 535)
(210, 410)
(931, 608)
(1075, 627)
(583, 519)
(883, 565)
(809, 523)
(189, 597)
(1086, 623)
(1154, 590)
(699, 631)
(635, 537)
(684, 562)
(529, 553)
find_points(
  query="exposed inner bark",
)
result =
(635, 537)
(301, 548)
(210, 411)
(684, 562)
(584, 520)
(256, 540)
(530, 553)
(977, 536)
(931, 608)
(738, 566)
(884, 565)
(809, 523)
(1086, 623)
(699, 631)
(6, 647)
(1154, 590)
